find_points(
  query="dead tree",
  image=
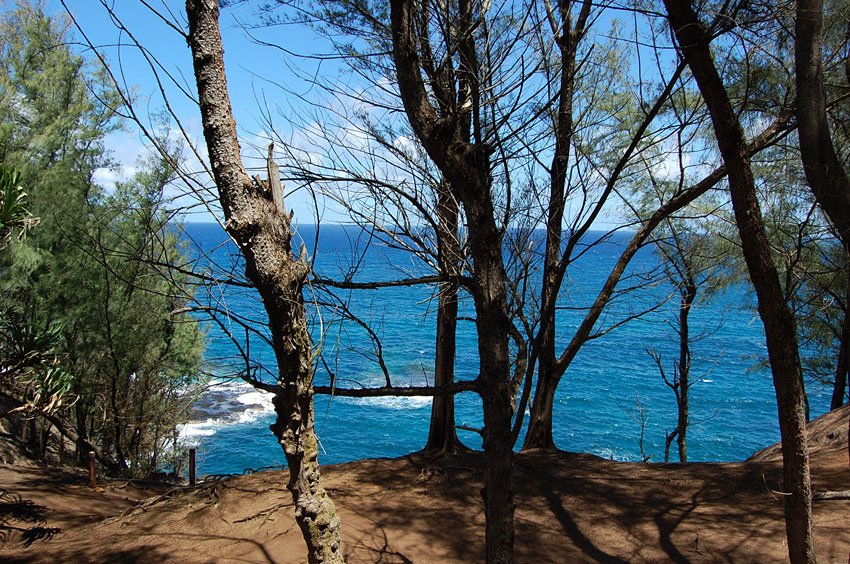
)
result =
(257, 221)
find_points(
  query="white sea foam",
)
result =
(229, 403)
(189, 434)
(258, 398)
(395, 403)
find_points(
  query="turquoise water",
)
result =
(733, 408)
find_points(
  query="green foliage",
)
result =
(32, 372)
(14, 214)
(96, 273)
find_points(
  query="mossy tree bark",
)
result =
(783, 352)
(257, 221)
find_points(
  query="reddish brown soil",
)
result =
(570, 508)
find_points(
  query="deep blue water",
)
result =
(733, 409)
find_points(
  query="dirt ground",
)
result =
(570, 508)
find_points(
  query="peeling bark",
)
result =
(257, 222)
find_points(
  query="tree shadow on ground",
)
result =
(139, 555)
(431, 498)
(570, 508)
(22, 518)
(616, 512)
(588, 509)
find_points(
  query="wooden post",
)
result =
(191, 467)
(92, 483)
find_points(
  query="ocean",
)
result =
(610, 396)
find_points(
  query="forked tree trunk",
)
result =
(783, 352)
(465, 165)
(539, 435)
(257, 221)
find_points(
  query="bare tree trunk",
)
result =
(539, 435)
(496, 388)
(689, 292)
(842, 365)
(453, 141)
(778, 320)
(81, 450)
(442, 434)
(824, 170)
(257, 222)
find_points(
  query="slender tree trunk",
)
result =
(842, 365)
(778, 320)
(539, 434)
(81, 415)
(257, 221)
(824, 170)
(442, 434)
(689, 293)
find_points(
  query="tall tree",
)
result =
(381, 176)
(567, 35)
(693, 39)
(453, 136)
(257, 220)
(825, 170)
(597, 128)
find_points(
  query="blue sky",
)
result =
(247, 65)
(257, 75)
